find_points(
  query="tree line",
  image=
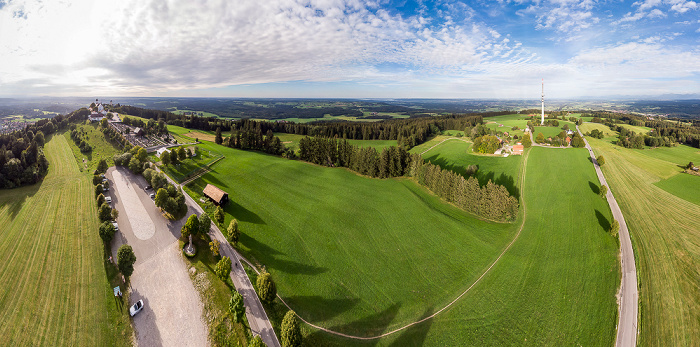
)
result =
(80, 137)
(491, 201)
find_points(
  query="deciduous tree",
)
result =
(219, 215)
(600, 160)
(102, 166)
(191, 227)
(214, 246)
(125, 260)
(257, 342)
(107, 232)
(204, 224)
(615, 228)
(603, 191)
(104, 212)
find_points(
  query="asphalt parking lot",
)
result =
(172, 313)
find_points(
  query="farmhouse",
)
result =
(218, 196)
(518, 149)
(95, 117)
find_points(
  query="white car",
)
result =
(136, 308)
(116, 227)
(108, 199)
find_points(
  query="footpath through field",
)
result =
(628, 297)
(515, 238)
(257, 318)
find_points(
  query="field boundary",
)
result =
(515, 238)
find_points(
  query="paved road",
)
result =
(172, 313)
(257, 318)
(628, 297)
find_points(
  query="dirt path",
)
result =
(628, 296)
(515, 238)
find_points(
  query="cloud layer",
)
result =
(446, 49)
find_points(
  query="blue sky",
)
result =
(354, 48)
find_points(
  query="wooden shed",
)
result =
(218, 196)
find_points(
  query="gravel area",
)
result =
(140, 221)
(172, 313)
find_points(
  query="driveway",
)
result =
(172, 313)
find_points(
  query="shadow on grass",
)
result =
(415, 335)
(594, 187)
(326, 308)
(272, 259)
(372, 325)
(15, 204)
(604, 223)
(242, 214)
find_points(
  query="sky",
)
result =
(349, 49)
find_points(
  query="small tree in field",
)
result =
(603, 191)
(223, 268)
(539, 138)
(233, 233)
(615, 228)
(600, 160)
(235, 306)
(690, 165)
(125, 260)
(266, 287)
(291, 332)
(219, 215)
(214, 246)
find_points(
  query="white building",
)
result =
(161, 151)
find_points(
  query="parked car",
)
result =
(153, 196)
(116, 226)
(136, 308)
(148, 188)
(108, 199)
(105, 189)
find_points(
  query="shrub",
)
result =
(256, 342)
(98, 190)
(233, 233)
(214, 246)
(100, 200)
(219, 215)
(603, 191)
(235, 306)
(223, 268)
(600, 160)
(266, 287)
(615, 228)
(291, 333)
(104, 212)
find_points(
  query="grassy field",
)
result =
(101, 149)
(55, 289)
(665, 235)
(637, 129)
(609, 135)
(456, 155)
(556, 286)
(551, 131)
(684, 186)
(350, 253)
(190, 166)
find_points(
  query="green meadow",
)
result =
(556, 285)
(101, 149)
(684, 186)
(292, 141)
(55, 279)
(456, 155)
(350, 253)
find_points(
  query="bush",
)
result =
(219, 215)
(235, 306)
(603, 191)
(615, 228)
(98, 190)
(214, 246)
(267, 291)
(291, 332)
(233, 233)
(100, 200)
(223, 268)
(125, 260)
(600, 160)
(107, 232)
(256, 342)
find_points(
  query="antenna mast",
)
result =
(542, 102)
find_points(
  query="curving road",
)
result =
(628, 296)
